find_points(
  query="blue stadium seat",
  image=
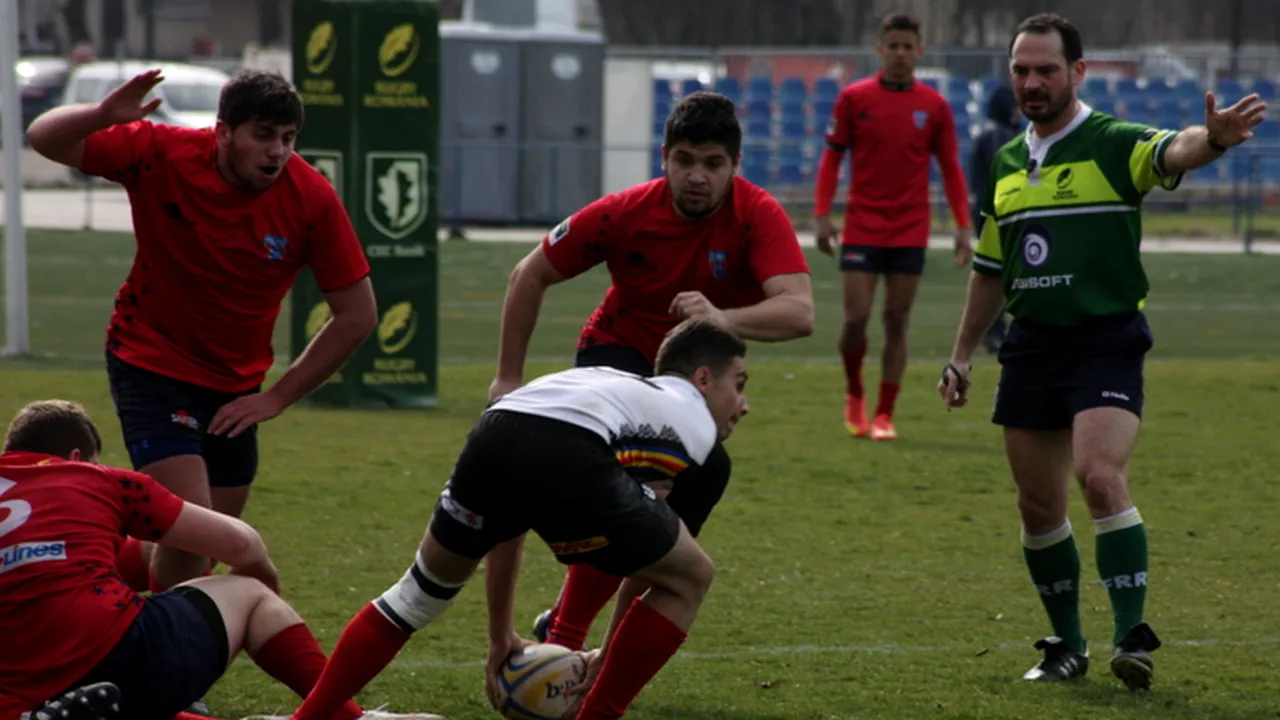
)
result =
(1170, 106)
(1127, 86)
(690, 85)
(958, 89)
(794, 129)
(1188, 88)
(1229, 89)
(661, 88)
(793, 89)
(1158, 87)
(963, 127)
(760, 88)
(790, 171)
(758, 128)
(757, 108)
(822, 112)
(656, 167)
(1265, 87)
(826, 89)
(1096, 87)
(1104, 105)
(728, 85)
(791, 109)
(755, 163)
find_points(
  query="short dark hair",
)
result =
(703, 117)
(260, 96)
(1047, 24)
(900, 21)
(53, 427)
(698, 343)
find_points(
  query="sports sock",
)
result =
(586, 591)
(189, 716)
(853, 370)
(1054, 563)
(132, 566)
(294, 658)
(888, 397)
(645, 640)
(368, 644)
(1121, 552)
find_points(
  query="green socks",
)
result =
(1054, 563)
(1122, 565)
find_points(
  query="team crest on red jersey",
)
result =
(920, 117)
(716, 259)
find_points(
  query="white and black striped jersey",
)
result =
(658, 426)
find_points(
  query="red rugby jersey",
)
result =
(63, 605)
(893, 131)
(214, 262)
(653, 254)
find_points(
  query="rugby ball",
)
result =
(534, 682)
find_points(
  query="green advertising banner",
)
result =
(369, 73)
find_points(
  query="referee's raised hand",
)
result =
(1233, 125)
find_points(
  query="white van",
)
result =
(190, 92)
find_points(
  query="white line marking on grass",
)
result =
(969, 650)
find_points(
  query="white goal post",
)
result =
(17, 317)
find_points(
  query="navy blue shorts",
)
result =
(879, 260)
(695, 491)
(1049, 374)
(172, 654)
(162, 417)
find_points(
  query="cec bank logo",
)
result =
(396, 191)
(399, 50)
(322, 46)
(398, 326)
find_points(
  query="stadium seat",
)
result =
(758, 128)
(1158, 87)
(790, 172)
(690, 85)
(1188, 88)
(757, 108)
(760, 88)
(1096, 87)
(822, 112)
(1105, 105)
(1265, 87)
(792, 89)
(755, 163)
(661, 88)
(730, 88)
(1127, 86)
(826, 89)
(958, 89)
(1229, 89)
(794, 128)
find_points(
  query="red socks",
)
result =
(368, 645)
(132, 566)
(643, 643)
(853, 370)
(586, 592)
(294, 658)
(888, 396)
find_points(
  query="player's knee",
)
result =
(854, 332)
(1041, 513)
(419, 598)
(895, 323)
(1104, 487)
(693, 577)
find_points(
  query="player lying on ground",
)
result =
(893, 124)
(225, 219)
(699, 242)
(545, 458)
(1060, 242)
(66, 618)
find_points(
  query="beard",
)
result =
(1050, 109)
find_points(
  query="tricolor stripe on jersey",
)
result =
(649, 461)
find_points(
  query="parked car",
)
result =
(190, 92)
(41, 83)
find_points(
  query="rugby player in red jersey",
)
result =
(68, 620)
(698, 243)
(892, 124)
(225, 218)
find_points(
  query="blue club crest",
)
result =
(275, 246)
(716, 260)
(920, 117)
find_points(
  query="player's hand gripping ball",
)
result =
(534, 682)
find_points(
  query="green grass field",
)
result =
(855, 580)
